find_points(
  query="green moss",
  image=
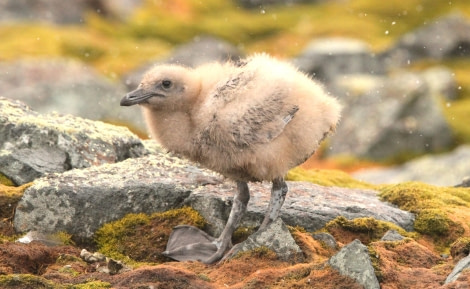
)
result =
(242, 233)
(374, 229)
(434, 222)
(69, 271)
(415, 196)
(327, 178)
(91, 285)
(204, 277)
(142, 238)
(9, 197)
(259, 252)
(4, 180)
(376, 262)
(433, 207)
(64, 238)
(460, 248)
(110, 237)
(26, 281)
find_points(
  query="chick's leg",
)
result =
(190, 243)
(278, 195)
(224, 242)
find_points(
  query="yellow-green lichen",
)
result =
(415, 196)
(64, 238)
(327, 178)
(4, 180)
(91, 285)
(141, 237)
(374, 229)
(9, 197)
(376, 262)
(259, 252)
(436, 223)
(440, 211)
(26, 281)
(460, 248)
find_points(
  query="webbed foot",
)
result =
(189, 243)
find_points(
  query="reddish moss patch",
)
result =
(407, 264)
(33, 258)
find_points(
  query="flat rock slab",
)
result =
(33, 144)
(82, 200)
(307, 205)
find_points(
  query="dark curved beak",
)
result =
(135, 97)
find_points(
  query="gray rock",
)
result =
(386, 117)
(461, 265)
(392, 235)
(353, 260)
(275, 237)
(68, 87)
(465, 183)
(82, 200)
(121, 9)
(32, 144)
(202, 49)
(326, 59)
(55, 11)
(441, 38)
(327, 239)
(306, 205)
(441, 170)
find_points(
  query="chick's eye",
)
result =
(166, 83)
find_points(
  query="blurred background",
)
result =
(400, 68)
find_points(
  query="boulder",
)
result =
(73, 201)
(275, 237)
(442, 38)
(33, 144)
(329, 58)
(201, 50)
(388, 117)
(447, 169)
(66, 86)
(80, 201)
(327, 239)
(353, 260)
(392, 235)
